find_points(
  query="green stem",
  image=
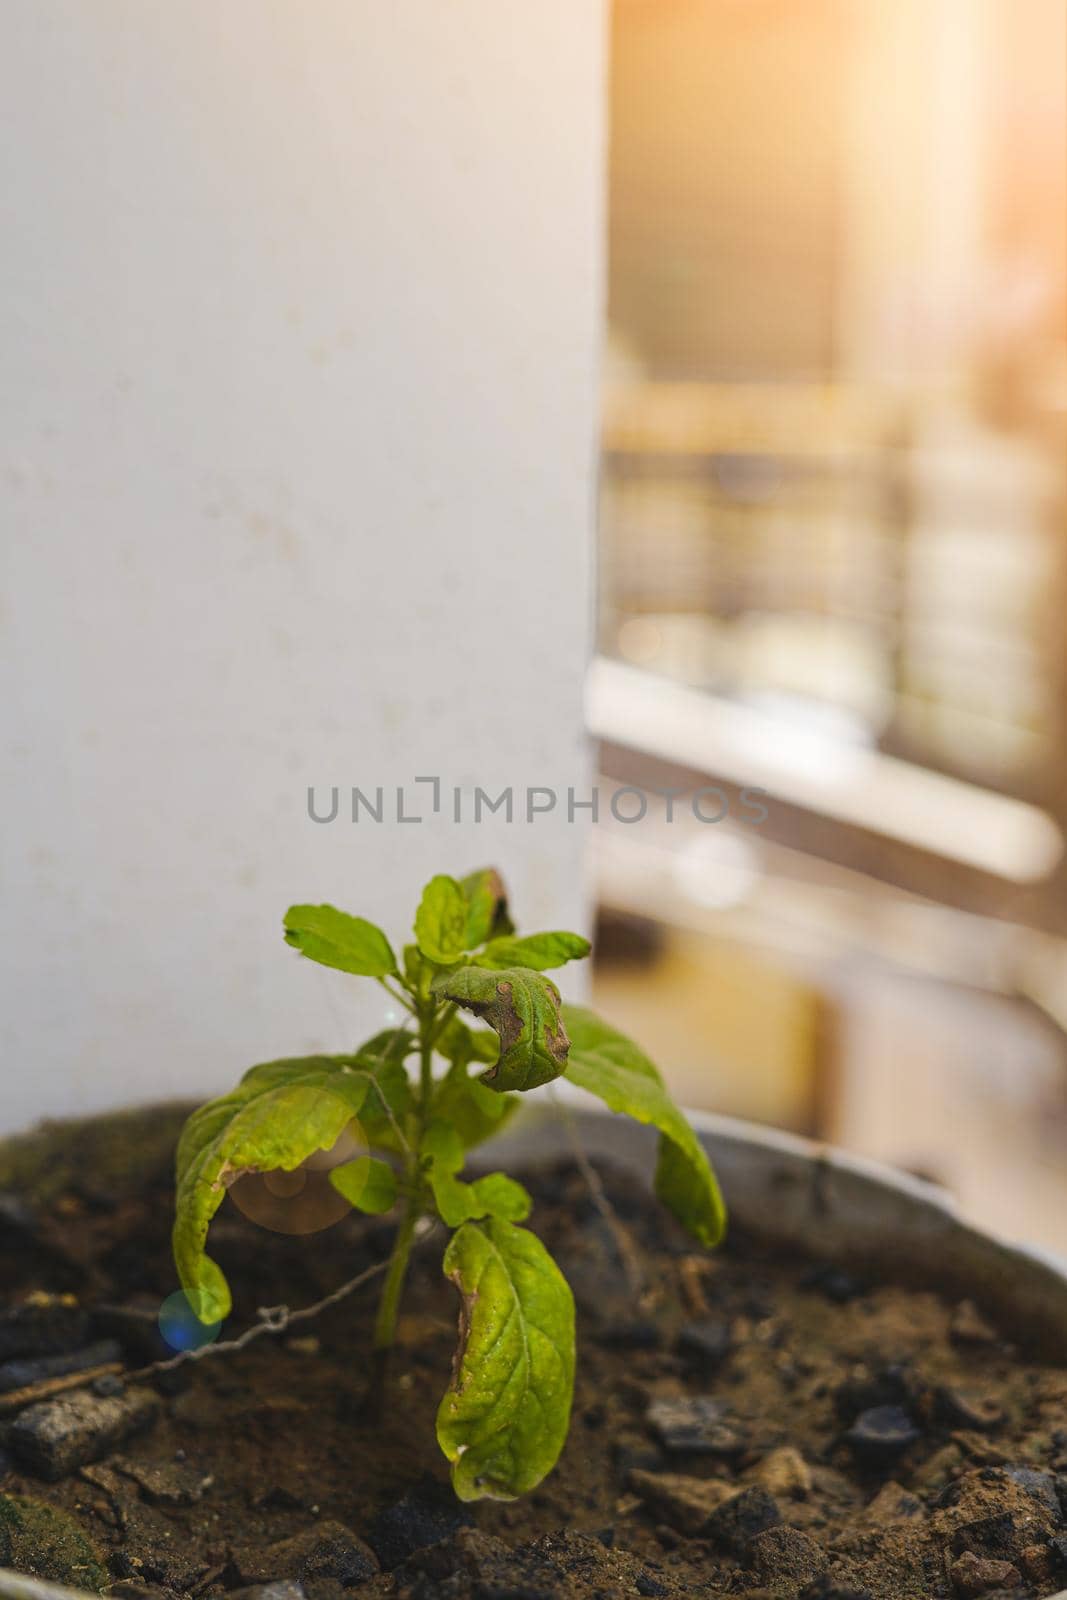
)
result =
(425, 1069)
(393, 1288)
(396, 994)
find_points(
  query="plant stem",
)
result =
(425, 1068)
(396, 994)
(393, 1288)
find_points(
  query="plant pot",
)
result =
(836, 1206)
(786, 1192)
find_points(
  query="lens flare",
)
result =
(181, 1327)
(304, 1200)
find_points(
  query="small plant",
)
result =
(504, 1419)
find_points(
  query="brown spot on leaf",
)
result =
(466, 1316)
(501, 921)
(558, 1043)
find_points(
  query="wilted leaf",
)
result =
(332, 937)
(523, 1008)
(441, 921)
(280, 1113)
(504, 1420)
(609, 1065)
(538, 951)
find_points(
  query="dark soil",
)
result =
(743, 1424)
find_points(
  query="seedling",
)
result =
(504, 1418)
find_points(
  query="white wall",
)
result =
(299, 312)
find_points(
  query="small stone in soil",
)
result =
(738, 1520)
(882, 1433)
(957, 1409)
(705, 1344)
(693, 1426)
(428, 1513)
(977, 1575)
(42, 1325)
(324, 1551)
(836, 1283)
(57, 1436)
(1058, 1547)
(893, 1503)
(785, 1473)
(991, 1537)
(864, 1391)
(1036, 1564)
(477, 1564)
(686, 1503)
(20, 1374)
(161, 1484)
(786, 1556)
(646, 1584)
(968, 1326)
(1041, 1486)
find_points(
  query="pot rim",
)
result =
(831, 1204)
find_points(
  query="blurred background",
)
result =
(302, 312)
(833, 565)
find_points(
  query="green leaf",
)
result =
(390, 1045)
(523, 1008)
(389, 1099)
(462, 1045)
(441, 921)
(539, 951)
(487, 902)
(504, 1419)
(418, 972)
(495, 1195)
(332, 937)
(444, 1147)
(475, 1112)
(609, 1065)
(366, 1183)
(280, 1113)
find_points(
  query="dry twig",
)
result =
(620, 1233)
